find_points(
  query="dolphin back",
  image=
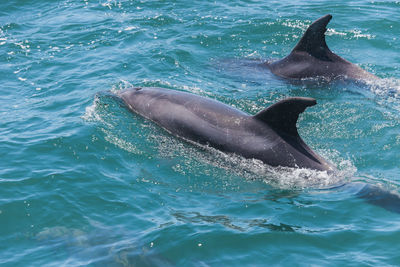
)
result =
(312, 58)
(270, 136)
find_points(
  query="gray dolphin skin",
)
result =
(270, 136)
(311, 58)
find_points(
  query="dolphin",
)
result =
(311, 58)
(270, 135)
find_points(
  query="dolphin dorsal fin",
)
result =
(313, 40)
(282, 116)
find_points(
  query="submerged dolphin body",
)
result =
(270, 136)
(311, 58)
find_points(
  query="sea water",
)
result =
(84, 182)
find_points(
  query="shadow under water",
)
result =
(378, 196)
(101, 247)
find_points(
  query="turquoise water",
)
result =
(83, 182)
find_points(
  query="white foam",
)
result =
(350, 33)
(290, 178)
(298, 24)
(387, 86)
(203, 160)
(92, 113)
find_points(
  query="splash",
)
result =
(298, 24)
(357, 34)
(288, 177)
(205, 160)
(387, 86)
(104, 112)
(303, 25)
(387, 91)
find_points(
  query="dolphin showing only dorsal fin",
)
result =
(312, 58)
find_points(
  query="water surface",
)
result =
(85, 182)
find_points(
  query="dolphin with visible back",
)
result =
(311, 58)
(270, 136)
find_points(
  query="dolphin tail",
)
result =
(313, 40)
(283, 115)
